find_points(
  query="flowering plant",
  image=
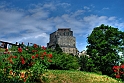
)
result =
(26, 64)
(119, 71)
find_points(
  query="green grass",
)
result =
(65, 76)
(2, 50)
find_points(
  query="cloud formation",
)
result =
(39, 20)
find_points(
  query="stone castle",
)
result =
(65, 39)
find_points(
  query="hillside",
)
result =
(64, 76)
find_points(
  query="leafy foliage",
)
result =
(58, 49)
(25, 64)
(104, 45)
(64, 62)
(86, 63)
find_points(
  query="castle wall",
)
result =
(65, 39)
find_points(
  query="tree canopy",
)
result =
(104, 45)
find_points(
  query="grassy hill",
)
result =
(64, 76)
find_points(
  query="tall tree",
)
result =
(58, 49)
(104, 44)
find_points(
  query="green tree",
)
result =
(86, 64)
(83, 60)
(58, 49)
(104, 44)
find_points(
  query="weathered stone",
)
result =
(65, 39)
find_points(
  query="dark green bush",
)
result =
(64, 62)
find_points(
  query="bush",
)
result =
(64, 62)
(119, 71)
(26, 64)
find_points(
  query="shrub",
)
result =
(26, 64)
(119, 71)
(64, 62)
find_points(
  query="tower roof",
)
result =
(64, 29)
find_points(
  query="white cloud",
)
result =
(88, 8)
(95, 20)
(105, 8)
(78, 13)
(41, 39)
(35, 25)
(64, 5)
(50, 6)
(85, 7)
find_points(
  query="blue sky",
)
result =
(33, 20)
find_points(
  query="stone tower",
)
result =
(65, 39)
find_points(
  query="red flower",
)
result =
(22, 75)
(20, 50)
(11, 72)
(44, 48)
(35, 46)
(44, 53)
(6, 50)
(115, 70)
(122, 66)
(14, 56)
(50, 55)
(121, 72)
(117, 76)
(23, 61)
(116, 67)
(24, 80)
(36, 55)
(33, 57)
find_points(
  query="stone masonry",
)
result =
(65, 39)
